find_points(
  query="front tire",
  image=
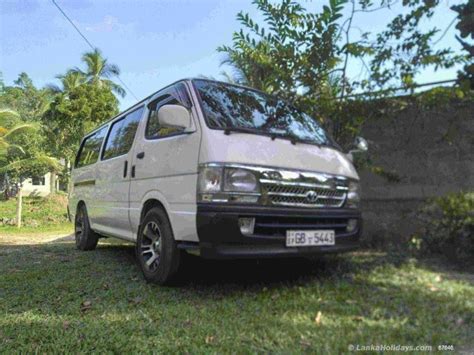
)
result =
(86, 238)
(156, 250)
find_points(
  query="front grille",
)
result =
(278, 226)
(304, 194)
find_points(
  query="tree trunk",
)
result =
(67, 175)
(19, 206)
(7, 187)
(52, 183)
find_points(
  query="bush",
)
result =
(448, 227)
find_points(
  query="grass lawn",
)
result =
(50, 229)
(54, 298)
(40, 215)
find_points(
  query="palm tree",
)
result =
(99, 71)
(69, 81)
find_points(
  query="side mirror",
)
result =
(361, 145)
(174, 116)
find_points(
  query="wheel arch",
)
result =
(73, 211)
(148, 205)
(80, 203)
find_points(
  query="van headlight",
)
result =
(227, 184)
(353, 195)
(240, 180)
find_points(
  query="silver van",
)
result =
(216, 170)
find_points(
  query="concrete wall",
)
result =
(432, 152)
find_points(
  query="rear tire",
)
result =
(156, 250)
(86, 238)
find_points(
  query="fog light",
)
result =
(246, 225)
(351, 225)
(244, 198)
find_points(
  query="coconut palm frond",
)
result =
(18, 128)
(115, 87)
(53, 88)
(48, 162)
(77, 71)
(5, 146)
(99, 71)
(6, 113)
(111, 69)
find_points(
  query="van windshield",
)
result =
(230, 107)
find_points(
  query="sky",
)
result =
(153, 42)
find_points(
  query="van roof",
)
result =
(130, 108)
(154, 93)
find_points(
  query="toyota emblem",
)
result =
(311, 196)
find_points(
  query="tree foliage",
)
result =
(69, 82)
(304, 56)
(83, 100)
(466, 35)
(21, 148)
(75, 112)
(403, 48)
(98, 71)
(50, 122)
(24, 98)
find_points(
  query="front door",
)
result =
(165, 162)
(113, 177)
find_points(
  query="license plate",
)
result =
(310, 238)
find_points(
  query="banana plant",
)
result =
(7, 133)
(20, 159)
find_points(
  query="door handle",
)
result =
(141, 155)
(125, 167)
(133, 171)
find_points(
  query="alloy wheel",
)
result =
(151, 246)
(79, 226)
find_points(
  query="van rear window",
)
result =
(89, 151)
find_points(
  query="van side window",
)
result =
(89, 151)
(175, 95)
(121, 135)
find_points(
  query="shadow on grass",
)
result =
(45, 285)
(259, 273)
(196, 272)
(238, 274)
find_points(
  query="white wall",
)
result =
(37, 190)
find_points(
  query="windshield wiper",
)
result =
(295, 139)
(228, 130)
(273, 136)
(291, 137)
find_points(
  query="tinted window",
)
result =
(230, 106)
(175, 95)
(153, 129)
(181, 94)
(121, 136)
(89, 152)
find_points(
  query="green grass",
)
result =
(54, 298)
(60, 228)
(39, 214)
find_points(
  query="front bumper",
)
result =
(220, 236)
